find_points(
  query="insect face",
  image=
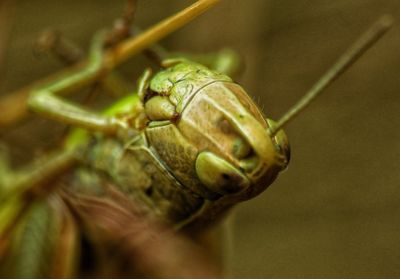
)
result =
(213, 138)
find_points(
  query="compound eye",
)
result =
(159, 108)
(241, 148)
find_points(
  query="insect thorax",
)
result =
(162, 164)
(138, 173)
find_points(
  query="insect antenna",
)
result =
(369, 38)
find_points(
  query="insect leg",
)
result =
(113, 57)
(45, 100)
(4, 166)
(144, 83)
(45, 245)
(225, 61)
(67, 52)
(25, 188)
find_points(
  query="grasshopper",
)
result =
(183, 150)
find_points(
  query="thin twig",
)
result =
(123, 25)
(13, 106)
(54, 42)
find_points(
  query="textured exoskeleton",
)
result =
(196, 145)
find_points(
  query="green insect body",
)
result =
(185, 149)
(192, 145)
(196, 145)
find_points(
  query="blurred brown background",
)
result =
(336, 212)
